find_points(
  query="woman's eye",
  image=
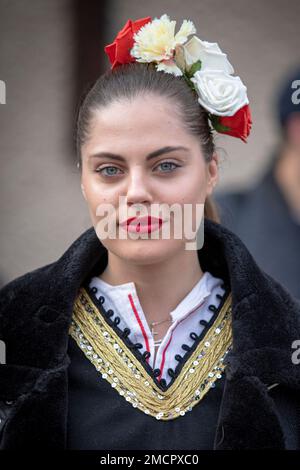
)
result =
(110, 173)
(166, 166)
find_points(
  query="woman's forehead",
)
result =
(139, 110)
(127, 126)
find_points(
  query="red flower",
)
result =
(119, 51)
(238, 125)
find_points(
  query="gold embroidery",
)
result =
(118, 365)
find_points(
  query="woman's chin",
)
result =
(143, 251)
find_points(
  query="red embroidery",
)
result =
(140, 323)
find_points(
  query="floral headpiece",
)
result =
(203, 65)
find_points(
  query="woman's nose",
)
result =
(138, 189)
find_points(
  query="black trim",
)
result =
(134, 347)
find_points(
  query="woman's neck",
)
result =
(160, 287)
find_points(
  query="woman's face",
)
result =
(132, 130)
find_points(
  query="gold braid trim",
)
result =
(107, 351)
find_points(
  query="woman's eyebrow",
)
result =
(151, 155)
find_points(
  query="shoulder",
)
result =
(283, 295)
(15, 292)
(22, 283)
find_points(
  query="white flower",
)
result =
(156, 42)
(220, 93)
(209, 53)
(169, 66)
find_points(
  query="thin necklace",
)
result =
(157, 342)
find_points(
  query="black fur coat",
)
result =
(260, 406)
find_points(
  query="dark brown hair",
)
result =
(129, 80)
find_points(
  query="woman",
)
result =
(137, 342)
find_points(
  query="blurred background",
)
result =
(52, 50)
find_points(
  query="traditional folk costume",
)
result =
(57, 394)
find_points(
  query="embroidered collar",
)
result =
(120, 362)
(119, 295)
(123, 301)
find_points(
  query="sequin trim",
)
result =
(114, 320)
(119, 366)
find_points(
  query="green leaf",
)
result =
(189, 82)
(194, 68)
(215, 121)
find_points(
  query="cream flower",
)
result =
(209, 53)
(169, 66)
(156, 42)
(220, 93)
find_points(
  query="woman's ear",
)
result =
(213, 173)
(83, 191)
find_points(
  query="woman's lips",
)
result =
(145, 224)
